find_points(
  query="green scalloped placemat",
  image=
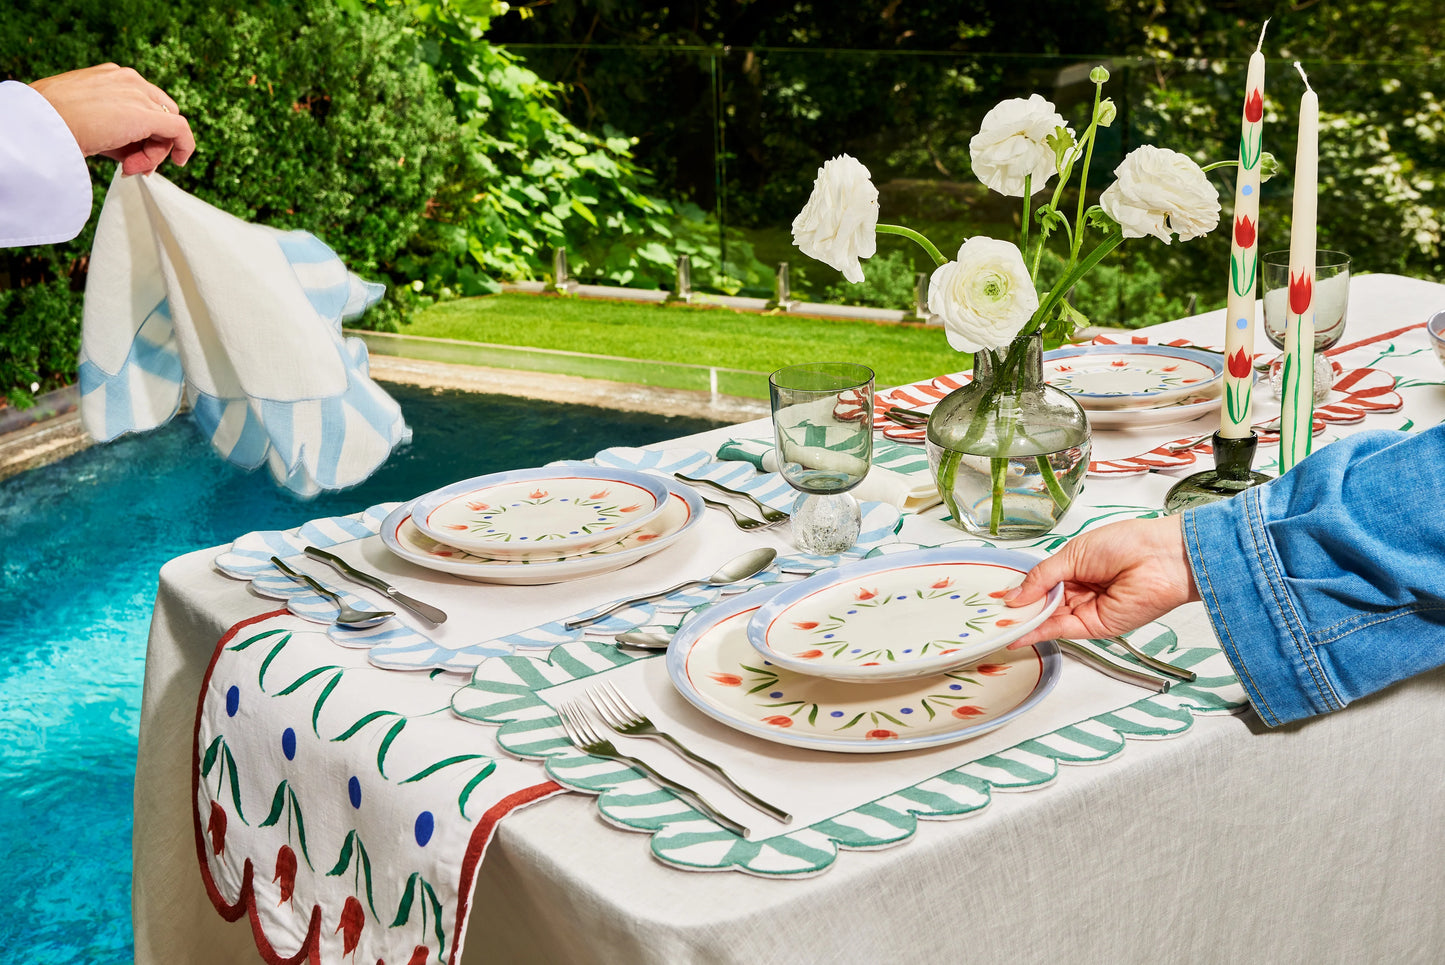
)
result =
(503, 691)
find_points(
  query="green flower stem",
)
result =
(1056, 294)
(998, 476)
(1051, 482)
(1024, 232)
(1220, 164)
(924, 243)
(1090, 136)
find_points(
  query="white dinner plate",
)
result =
(681, 513)
(714, 667)
(898, 616)
(1185, 410)
(1103, 377)
(553, 511)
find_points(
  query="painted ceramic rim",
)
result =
(538, 572)
(1214, 362)
(425, 505)
(776, 607)
(1158, 415)
(696, 629)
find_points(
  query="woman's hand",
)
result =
(1116, 578)
(114, 112)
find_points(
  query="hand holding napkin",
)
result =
(243, 321)
(909, 492)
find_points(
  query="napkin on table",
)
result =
(185, 301)
(908, 492)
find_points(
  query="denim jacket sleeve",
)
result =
(1328, 583)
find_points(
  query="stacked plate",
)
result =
(1138, 386)
(886, 654)
(544, 525)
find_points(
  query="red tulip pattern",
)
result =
(1239, 365)
(216, 827)
(1244, 232)
(353, 917)
(1301, 292)
(1254, 106)
(419, 955)
(285, 872)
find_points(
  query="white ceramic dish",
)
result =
(681, 513)
(899, 616)
(1103, 377)
(714, 667)
(554, 511)
(1186, 410)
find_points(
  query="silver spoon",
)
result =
(346, 615)
(738, 568)
(644, 639)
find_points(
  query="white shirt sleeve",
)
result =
(44, 183)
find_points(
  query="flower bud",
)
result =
(1099, 74)
(1269, 166)
(1106, 113)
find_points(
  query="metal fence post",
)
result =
(562, 283)
(682, 286)
(782, 300)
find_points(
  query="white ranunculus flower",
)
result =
(985, 297)
(1010, 145)
(1161, 192)
(839, 224)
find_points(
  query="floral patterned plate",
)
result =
(1133, 376)
(1184, 410)
(714, 667)
(681, 513)
(899, 616)
(554, 511)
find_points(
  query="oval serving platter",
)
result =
(898, 616)
(714, 668)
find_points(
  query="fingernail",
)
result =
(1012, 593)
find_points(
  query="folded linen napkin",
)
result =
(910, 491)
(185, 301)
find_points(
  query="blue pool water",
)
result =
(81, 542)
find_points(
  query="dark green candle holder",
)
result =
(1232, 473)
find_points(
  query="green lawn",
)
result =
(698, 336)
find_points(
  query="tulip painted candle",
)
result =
(1298, 392)
(1244, 257)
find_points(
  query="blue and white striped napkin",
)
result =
(185, 302)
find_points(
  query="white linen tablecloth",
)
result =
(1316, 842)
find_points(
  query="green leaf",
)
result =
(374, 715)
(260, 636)
(429, 771)
(576, 205)
(472, 784)
(210, 759)
(391, 735)
(301, 680)
(366, 872)
(344, 860)
(261, 676)
(235, 784)
(403, 910)
(436, 906)
(325, 692)
(277, 803)
(300, 828)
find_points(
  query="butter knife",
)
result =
(1112, 666)
(424, 610)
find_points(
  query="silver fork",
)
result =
(621, 716)
(745, 523)
(347, 616)
(586, 739)
(768, 513)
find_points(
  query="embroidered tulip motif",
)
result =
(352, 920)
(1254, 107)
(726, 679)
(1244, 232)
(285, 872)
(216, 826)
(1301, 290)
(419, 955)
(1239, 365)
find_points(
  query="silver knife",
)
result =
(1112, 666)
(424, 610)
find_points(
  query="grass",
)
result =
(696, 336)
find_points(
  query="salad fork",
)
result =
(580, 732)
(745, 523)
(768, 513)
(619, 714)
(346, 615)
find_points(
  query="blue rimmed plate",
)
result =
(899, 616)
(552, 511)
(1103, 377)
(714, 667)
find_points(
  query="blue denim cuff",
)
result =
(1239, 578)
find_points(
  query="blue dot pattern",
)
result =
(353, 791)
(425, 825)
(233, 701)
(288, 744)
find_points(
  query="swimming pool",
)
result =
(81, 543)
